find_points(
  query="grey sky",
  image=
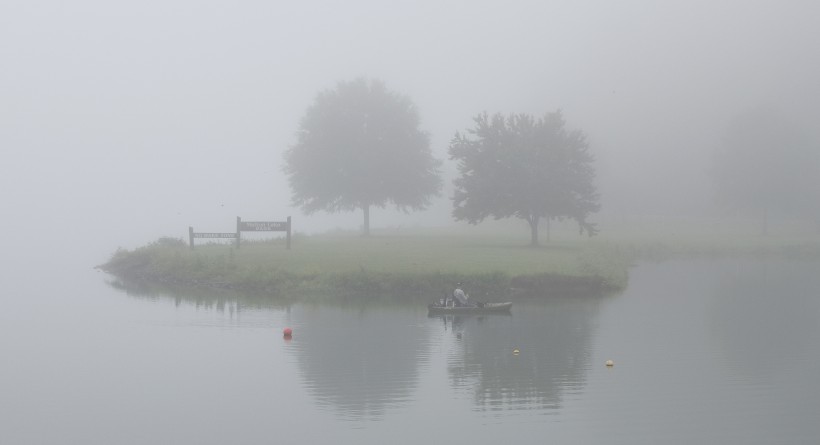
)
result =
(137, 119)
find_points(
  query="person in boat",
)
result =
(460, 297)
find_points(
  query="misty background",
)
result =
(121, 122)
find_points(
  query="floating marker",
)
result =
(288, 332)
(516, 351)
(610, 363)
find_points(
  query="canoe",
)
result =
(482, 309)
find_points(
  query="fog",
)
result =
(124, 121)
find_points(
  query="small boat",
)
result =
(479, 308)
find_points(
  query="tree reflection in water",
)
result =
(360, 362)
(554, 342)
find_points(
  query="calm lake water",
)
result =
(724, 351)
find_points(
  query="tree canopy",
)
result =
(359, 145)
(768, 164)
(524, 167)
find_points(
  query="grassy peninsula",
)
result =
(424, 264)
(397, 265)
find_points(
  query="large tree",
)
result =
(520, 166)
(359, 145)
(767, 164)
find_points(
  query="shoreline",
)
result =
(355, 267)
(421, 267)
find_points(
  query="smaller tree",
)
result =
(526, 168)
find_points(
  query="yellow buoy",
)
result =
(516, 351)
(610, 363)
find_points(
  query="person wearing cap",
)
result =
(460, 297)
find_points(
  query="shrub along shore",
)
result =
(423, 266)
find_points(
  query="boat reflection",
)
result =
(361, 362)
(553, 340)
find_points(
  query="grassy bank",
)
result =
(425, 264)
(404, 266)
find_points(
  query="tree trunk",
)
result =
(366, 210)
(548, 230)
(533, 220)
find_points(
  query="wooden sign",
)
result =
(214, 235)
(263, 226)
(211, 235)
(244, 226)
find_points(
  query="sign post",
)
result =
(238, 233)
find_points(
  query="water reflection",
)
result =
(362, 361)
(553, 341)
(707, 351)
(359, 362)
(222, 300)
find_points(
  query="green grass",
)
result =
(494, 260)
(658, 238)
(420, 264)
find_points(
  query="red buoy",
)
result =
(288, 332)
